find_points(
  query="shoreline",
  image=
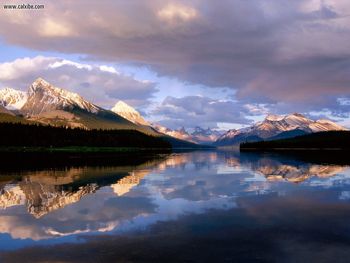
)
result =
(88, 149)
(255, 149)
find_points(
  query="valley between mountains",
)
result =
(45, 104)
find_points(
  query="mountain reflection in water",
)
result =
(73, 203)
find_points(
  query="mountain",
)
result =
(178, 138)
(58, 107)
(277, 127)
(199, 135)
(129, 113)
(43, 97)
(12, 99)
(180, 134)
(205, 136)
(46, 104)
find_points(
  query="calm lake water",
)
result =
(206, 206)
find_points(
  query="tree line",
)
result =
(36, 135)
(320, 140)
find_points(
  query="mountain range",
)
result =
(199, 135)
(277, 127)
(47, 104)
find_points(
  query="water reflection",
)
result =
(63, 204)
(276, 168)
(46, 191)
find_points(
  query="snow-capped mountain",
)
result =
(44, 97)
(45, 103)
(181, 134)
(277, 127)
(12, 99)
(201, 135)
(129, 113)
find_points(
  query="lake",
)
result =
(202, 206)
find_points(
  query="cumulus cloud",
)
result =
(278, 52)
(191, 111)
(101, 84)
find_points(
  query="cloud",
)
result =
(51, 28)
(191, 111)
(279, 52)
(101, 84)
(176, 13)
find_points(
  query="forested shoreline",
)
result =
(330, 140)
(36, 135)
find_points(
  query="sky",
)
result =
(218, 64)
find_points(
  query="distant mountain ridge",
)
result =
(277, 127)
(199, 135)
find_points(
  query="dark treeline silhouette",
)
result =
(321, 140)
(15, 134)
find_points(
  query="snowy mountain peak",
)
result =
(38, 84)
(44, 97)
(273, 117)
(295, 116)
(129, 113)
(121, 106)
(12, 99)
